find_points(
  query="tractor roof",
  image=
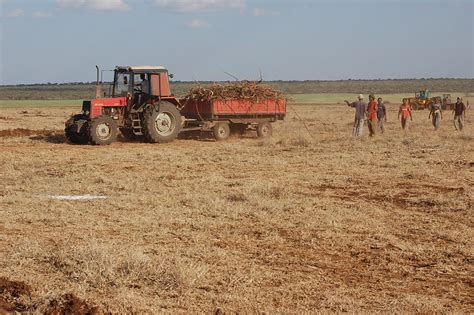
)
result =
(141, 69)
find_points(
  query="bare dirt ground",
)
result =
(300, 222)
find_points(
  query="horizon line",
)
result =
(220, 81)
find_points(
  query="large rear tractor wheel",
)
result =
(76, 129)
(103, 130)
(221, 131)
(162, 124)
(264, 130)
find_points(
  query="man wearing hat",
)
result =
(459, 112)
(360, 109)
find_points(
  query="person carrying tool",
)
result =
(360, 109)
(404, 112)
(372, 108)
(381, 115)
(436, 114)
(459, 112)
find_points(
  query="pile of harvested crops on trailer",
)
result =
(242, 90)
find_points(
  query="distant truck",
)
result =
(154, 114)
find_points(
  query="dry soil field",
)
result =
(303, 221)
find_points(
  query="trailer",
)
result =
(223, 117)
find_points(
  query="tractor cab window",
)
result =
(122, 84)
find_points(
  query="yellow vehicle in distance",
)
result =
(421, 100)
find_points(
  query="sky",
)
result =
(201, 40)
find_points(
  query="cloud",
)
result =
(110, 5)
(263, 12)
(196, 23)
(198, 5)
(42, 15)
(15, 13)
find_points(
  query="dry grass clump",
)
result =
(97, 265)
(298, 141)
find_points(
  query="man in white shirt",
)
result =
(145, 84)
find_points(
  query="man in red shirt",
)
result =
(372, 108)
(405, 112)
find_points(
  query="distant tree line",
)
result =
(86, 90)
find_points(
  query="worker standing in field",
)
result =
(436, 113)
(381, 114)
(404, 112)
(360, 109)
(372, 115)
(459, 112)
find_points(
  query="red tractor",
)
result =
(141, 104)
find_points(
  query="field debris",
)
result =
(16, 297)
(77, 197)
(7, 118)
(20, 132)
(69, 304)
(242, 90)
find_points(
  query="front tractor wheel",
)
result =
(221, 131)
(76, 129)
(162, 124)
(264, 130)
(103, 130)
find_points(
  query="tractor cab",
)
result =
(140, 84)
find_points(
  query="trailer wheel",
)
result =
(221, 131)
(75, 129)
(264, 130)
(103, 130)
(162, 125)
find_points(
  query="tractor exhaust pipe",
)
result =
(97, 85)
